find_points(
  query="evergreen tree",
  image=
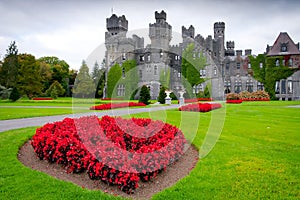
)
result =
(84, 84)
(162, 95)
(14, 95)
(145, 95)
(57, 87)
(9, 69)
(29, 80)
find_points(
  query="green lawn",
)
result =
(256, 157)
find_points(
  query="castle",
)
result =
(226, 70)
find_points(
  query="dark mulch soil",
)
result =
(173, 173)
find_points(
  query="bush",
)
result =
(232, 96)
(145, 95)
(162, 95)
(14, 95)
(55, 86)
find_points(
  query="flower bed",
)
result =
(234, 101)
(205, 99)
(114, 150)
(109, 106)
(200, 107)
(42, 98)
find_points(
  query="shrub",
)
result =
(145, 95)
(14, 95)
(232, 96)
(59, 90)
(162, 95)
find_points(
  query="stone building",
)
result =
(226, 70)
(286, 89)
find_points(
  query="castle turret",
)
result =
(230, 48)
(160, 32)
(116, 25)
(219, 35)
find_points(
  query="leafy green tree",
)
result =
(265, 70)
(162, 95)
(84, 85)
(9, 69)
(59, 90)
(145, 95)
(59, 70)
(29, 80)
(14, 95)
(46, 75)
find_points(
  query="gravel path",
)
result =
(6, 125)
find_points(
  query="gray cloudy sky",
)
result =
(71, 30)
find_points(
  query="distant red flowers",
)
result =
(42, 98)
(109, 106)
(114, 150)
(234, 101)
(200, 107)
(194, 100)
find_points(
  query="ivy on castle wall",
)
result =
(116, 77)
(269, 73)
(164, 78)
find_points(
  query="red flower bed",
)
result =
(109, 106)
(42, 98)
(114, 150)
(200, 107)
(205, 99)
(256, 99)
(235, 101)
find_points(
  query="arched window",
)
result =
(155, 70)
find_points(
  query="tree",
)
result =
(114, 75)
(98, 76)
(162, 95)
(145, 95)
(84, 84)
(29, 80)
(14, 95)
(59, 70)
(59, 90)
(9, 69)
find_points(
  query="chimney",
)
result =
(239, 52)
(248, 52)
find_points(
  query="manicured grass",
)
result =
(256, 157)
(16, 113)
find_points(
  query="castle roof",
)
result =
(283, 45)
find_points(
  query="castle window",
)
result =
(161, 54)
(283, 62)
(141, 74)
(277, 90)
(149, 57)
(142, 58)
(283, 86)
(123, 72)
(290, 87)
(249, 85)
(277, 62)
(124, 56)
(238, 86)
(215, 71)
(284, 47)
(238, 65)
(261, 65)
(227, 85)
(121, 90)
(227, 66)
(260, 86)
(178, 74)
(290, 62)
(249, 65)
(155, 70)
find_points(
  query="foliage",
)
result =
(94, 145)
(130, 79)
(114, 75)
(232, 96)
(192, 62)
(14, 95)
(165, 77)
(5, 92)
(109, 106)
(205, 93)
(260, 95)
(29, 80)
(9, 69)
(84, 86)
(173, 96)
(269, 73)
(59, 90)
(145, 95)
(162, 95)
(200, 107)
